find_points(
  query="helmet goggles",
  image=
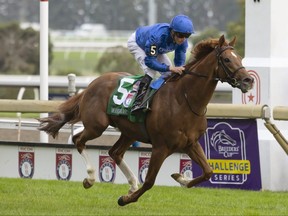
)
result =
(182, 35)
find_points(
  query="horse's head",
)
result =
(230, 68)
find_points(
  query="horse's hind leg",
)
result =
(79, 140)
(156, 160)
(196, 153)
(117, 152)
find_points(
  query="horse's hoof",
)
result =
(121, 201)
(86, 184)
(176, 176)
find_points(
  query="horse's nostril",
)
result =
(248, 80)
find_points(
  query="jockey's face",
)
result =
(179, 38)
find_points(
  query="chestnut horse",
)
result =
(175, 123)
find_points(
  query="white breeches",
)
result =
(140, 55)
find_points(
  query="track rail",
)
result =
(213, 111)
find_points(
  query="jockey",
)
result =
(149, 45)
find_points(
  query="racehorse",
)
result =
(175, 123)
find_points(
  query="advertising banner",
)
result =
(107, 167)
(231, 147)
(144, 160)
(63, 164)
(186, 166)
(26, 161)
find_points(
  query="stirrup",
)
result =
(136, 109)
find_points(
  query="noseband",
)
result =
(229, 74)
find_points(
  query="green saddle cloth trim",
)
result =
(123, 97)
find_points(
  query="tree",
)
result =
(121, 15)
(19, 51)
(117, 59)
(238, 29)
(207, 33)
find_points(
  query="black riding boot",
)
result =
(143, 86)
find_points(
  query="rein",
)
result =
(185, 94)
(192, 110)
(195, 73)
(230, 75)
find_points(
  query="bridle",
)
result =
(230, 75)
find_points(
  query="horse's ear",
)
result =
(231, 43)
(221, 40)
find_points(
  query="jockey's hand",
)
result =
(178, 70)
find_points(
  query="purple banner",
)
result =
(231, 147)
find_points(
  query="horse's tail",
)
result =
(68, 112)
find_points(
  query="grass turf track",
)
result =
(52, 197)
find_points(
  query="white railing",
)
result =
(213, 111)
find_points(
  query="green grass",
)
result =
(74, 61)
(80, 63)
(50, 197)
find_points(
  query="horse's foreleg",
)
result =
(116, 152)
(197, 154)
(156, 160)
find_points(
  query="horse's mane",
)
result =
(202, 49)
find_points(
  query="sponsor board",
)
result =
(26, 161)
(107, 167)
(63, 164)
(232, 150)
(186, 166)
(144, 160)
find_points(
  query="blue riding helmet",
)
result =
(182, 24)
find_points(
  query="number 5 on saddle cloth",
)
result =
(122, 99)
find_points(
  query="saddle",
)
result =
(122, 99)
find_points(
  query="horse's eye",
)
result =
(227, 60)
